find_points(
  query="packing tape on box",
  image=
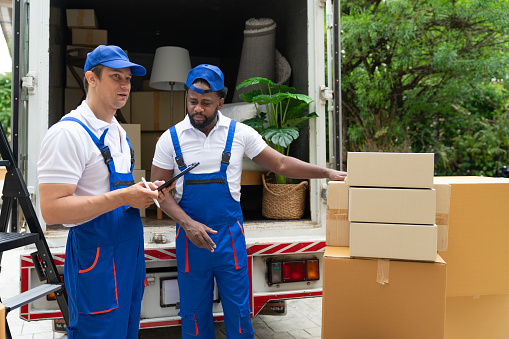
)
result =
(442, 219)
(337, 214)
(382, 272)
(157, 99)
(80, 17)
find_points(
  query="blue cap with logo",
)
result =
(212, 74)
(113, 57)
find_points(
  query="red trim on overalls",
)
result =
(234, 253)
(196, 325)
(116, 292)
(93, 265)
(178, 230)
(241, 229)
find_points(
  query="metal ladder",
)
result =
(15, 189)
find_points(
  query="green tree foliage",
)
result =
(417, 75)
(5, 102)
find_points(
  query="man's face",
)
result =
(113, 86)
(203, 108)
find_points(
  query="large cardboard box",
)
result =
(387, 205)
(89, 37)
(148, 147)
(408, 301)
(477, 317)
(153, 109)
(137, 174)
(478, 251)
(133, 132)
(383, 169)
(82, 18)
(393, 241)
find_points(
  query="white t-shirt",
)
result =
(208, 150)
(69, 156)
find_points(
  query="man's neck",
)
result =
(101, 112)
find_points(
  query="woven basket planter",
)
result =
(283, 201)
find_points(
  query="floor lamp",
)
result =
(169, 71)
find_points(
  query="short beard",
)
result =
(205, 123)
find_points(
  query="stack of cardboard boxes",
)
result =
(389, 282)
(85, 37)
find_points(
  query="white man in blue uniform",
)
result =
(210, 232)
(86, 183)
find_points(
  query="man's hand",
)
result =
(337, 175)
(197, 233)
(138, 196)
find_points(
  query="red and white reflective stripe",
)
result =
(160, 254)
(286, 248)
(26, 260)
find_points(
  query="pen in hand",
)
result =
(146, 185)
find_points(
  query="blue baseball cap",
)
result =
(113, 57)
(212, 74)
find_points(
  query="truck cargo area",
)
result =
(213, 32)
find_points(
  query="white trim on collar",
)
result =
(91, 120)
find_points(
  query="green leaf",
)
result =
(281, 136)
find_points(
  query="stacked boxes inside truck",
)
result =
(390, 282)
(477, 258)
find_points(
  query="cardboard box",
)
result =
(408, 301)
(478, 251)
(133, 132)
(337, 230)
(337, 225)
(70, 81)
(387, 205)
(83, 18)
(442, 213)
(383, 169)
(89, 37)
(137, 174)
(153, 109)
(148, 147)
(477, 317)
(393, 241)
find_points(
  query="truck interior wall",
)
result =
(57, 42)
(212, 31)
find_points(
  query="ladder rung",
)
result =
(8, 241)
(5, 163)
(30, 295)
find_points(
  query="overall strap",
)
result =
(225, 159)
(132, 153)
(105, 150)
(176, 146)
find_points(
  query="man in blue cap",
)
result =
(210, 233)
(86, 183)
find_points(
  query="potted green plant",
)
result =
(280, 113)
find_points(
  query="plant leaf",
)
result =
(281, 136)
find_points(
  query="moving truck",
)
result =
(212, 31)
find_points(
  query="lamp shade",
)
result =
(171, 65)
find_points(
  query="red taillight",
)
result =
(294, 271)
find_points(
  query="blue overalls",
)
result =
(104, 267)
(206, 198)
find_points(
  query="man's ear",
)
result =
(91, 78)
(221, 103)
